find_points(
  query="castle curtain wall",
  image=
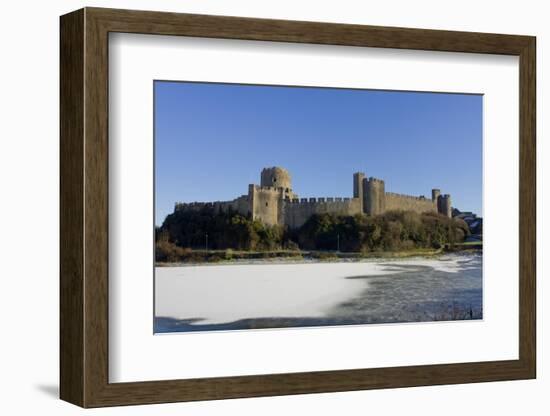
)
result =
(296, 213)
(239, 205)
(279, 205)
(409, 203)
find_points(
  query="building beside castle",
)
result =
(275, 203)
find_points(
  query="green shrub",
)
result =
(201, 228)
(291, 246)
(227, 231)
(391, 231)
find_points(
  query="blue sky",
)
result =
(212, 140)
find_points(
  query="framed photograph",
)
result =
(255, 207)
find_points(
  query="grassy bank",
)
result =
(228, 256)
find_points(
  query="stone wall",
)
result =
(374, 201)
(409, 203)
(444, 205)
(264, 204)
(275, 177)
(274, 202)
(239, 205)
(298, 211)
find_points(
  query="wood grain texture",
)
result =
(528, 208)
(96, 219)
(71, 100)
(84, 207)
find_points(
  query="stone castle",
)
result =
(274, 202)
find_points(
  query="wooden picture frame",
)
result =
(84, 207)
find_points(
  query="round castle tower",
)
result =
(276, 177)
(374, 196)
(444, 205)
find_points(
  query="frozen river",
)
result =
(244, 296)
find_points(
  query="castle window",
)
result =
(266, 204)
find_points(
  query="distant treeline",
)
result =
(391, 231)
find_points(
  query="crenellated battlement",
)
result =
(238, 204)
(192, 205)
(297, 212)
(375, 180)
(417, 198)
(274, 202)
(321, 200)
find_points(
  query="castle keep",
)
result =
(274, 202)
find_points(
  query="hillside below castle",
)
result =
(274, 202)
